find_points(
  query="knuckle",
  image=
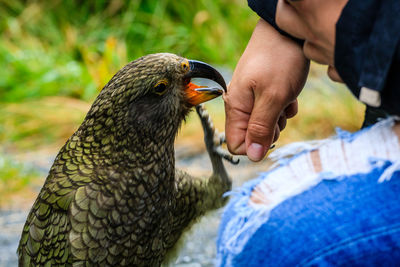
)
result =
(235, 143)
(279, 97)
(231, 149)
(259, 131)
(253, 83)
(235, 149)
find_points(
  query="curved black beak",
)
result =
(200, 69)
(198, 94)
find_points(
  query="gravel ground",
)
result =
(11, 223)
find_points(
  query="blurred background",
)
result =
(55, 57)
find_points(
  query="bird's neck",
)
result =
(145, 158)
(147, 162)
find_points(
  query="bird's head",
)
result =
(153, 94)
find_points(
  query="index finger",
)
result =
(235, 126)
(262, 123)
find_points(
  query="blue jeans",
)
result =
(349, 221)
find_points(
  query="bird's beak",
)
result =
(198, 94)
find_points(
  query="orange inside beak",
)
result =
(195, 96)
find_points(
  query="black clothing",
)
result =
(367, 50)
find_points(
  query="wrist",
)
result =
(266, 36)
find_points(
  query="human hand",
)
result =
(315, 22)
(263, 91)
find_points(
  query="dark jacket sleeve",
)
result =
(266, 9)
(367, 54)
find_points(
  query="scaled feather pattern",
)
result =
(112, 196)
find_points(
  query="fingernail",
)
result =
(255, 152)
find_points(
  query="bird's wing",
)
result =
(44, 238)
(66, 220)
(45, 235)
(89, 213)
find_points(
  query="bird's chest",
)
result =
(144, 201)
(146, 226)
(140, 219)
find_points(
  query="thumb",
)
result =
(261, 128)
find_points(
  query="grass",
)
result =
(16, 181)
(72, 49)
(323, 106)
(33, 124)
(55, 57)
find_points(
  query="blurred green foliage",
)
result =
(72, 48)
(55, 56)
(15, 176)
(9, 169)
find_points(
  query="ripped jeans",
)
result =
(342, 209)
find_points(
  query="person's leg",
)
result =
(321, 208)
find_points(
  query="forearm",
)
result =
(281, 55)
(262, 94)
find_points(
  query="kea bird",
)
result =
(113, 196)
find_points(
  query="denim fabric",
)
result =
(354, 221)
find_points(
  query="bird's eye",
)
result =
(161, 87)
(185, 65)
